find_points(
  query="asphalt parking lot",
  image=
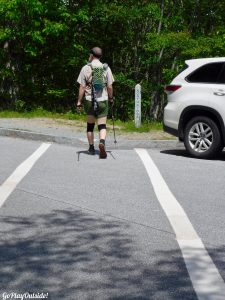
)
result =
(77, 227)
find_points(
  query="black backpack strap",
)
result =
(93, 93)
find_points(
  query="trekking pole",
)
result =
(113, 119)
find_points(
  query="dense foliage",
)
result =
(44, 44)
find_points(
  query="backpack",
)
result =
(97, 83)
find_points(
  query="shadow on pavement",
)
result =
(85, 152)
(176, 152)
(184, 153)
(72, 255)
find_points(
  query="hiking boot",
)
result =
(91, 150)
(102, 153)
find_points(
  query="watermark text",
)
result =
(13, 295)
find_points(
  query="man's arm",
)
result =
(81, 95)
(82, 82)
(110, 81)
(110, 92)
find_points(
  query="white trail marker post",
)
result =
(137, 111)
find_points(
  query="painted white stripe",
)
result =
(10, 184)
(206, 279)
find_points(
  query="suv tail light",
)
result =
(169, 89)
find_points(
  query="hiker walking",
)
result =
(96, 81)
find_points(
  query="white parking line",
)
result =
(206, 279)
(10, 184)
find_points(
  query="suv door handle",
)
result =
(219, 93)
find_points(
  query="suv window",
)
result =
(209, 73)
(221, 78)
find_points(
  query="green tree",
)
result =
(44, 44)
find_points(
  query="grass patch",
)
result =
(41, 113)
(129, 126)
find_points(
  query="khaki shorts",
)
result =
(103, 109)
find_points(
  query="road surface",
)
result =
(143, 224)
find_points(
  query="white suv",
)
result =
(195, 112)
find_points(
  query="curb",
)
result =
(79, 142)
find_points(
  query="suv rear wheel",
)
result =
(202, 137)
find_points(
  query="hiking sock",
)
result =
(91, 149)
(102, 142)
